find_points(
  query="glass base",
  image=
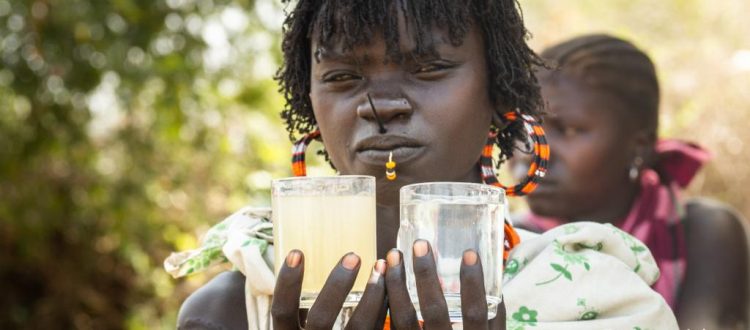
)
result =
(308, 299)
(454, 307)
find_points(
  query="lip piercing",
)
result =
(390, 168)
(377, 118)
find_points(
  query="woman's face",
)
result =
(436, 109)
(592, 148)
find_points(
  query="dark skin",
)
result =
(437, 112)
(369, 313)
(715, 292)
(589, 181)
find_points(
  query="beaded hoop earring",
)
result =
(537, 169)
(538, 166)
(298, 153)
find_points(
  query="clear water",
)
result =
(454, 307)
(451, 227)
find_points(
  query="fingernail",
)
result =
(377, 271)
(470, 257)
(350, 261)
(292, 259)
(420, 248)
(393, 257)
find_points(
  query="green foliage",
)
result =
(126, 128)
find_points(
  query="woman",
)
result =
(603, 99)
(441, 76)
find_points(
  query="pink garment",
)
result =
(655, 215)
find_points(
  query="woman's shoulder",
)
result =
(220, 304)
(713, 227)
(717, 267)
(711, 216)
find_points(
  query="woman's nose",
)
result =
(384, 109)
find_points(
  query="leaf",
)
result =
(562, 271)
(638, 248)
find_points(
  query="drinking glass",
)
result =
(454, 217)
(325, 218)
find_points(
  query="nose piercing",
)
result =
(390, 168)
(377, 118)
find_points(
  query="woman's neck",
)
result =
(387, 228)
(616, 209)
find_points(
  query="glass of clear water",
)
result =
(454, 217)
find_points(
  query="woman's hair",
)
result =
(352, 23)
(611, 65)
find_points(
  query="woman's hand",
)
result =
(370, 311)
(431, 301)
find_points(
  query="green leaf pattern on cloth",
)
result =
(586, 255)
(571, 228)
(513, 266)
(636, 247)
(588, 312)
(564, 274)
(210, 252)
(526, 315)
(568, 258)
(243, 240)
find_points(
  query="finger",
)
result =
(367, 314)
(302, 315)
(285, 305)
(431, 300)
(498, 323)
(328, 304)
(402, 312)
(473, 299)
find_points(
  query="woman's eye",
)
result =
(432, 68)
(570, 131)
(562, 129)
(340, 77)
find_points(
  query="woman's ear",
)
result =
(643, 145)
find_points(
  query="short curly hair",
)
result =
(351, 23)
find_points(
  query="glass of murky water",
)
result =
(325, 218)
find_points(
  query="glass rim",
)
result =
(445, 183)
(322, 178)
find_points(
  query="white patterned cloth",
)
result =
(245, 240)
(581, 275)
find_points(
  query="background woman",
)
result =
(603, 100)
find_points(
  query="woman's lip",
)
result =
(385, 142)
(379, 157)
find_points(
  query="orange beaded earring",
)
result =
(537, 169)
(298, 153)
(538, 166)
